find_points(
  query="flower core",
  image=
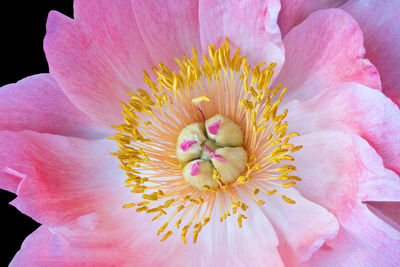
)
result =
(238, 151)
(220, 152)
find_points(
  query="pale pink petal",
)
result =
(97, 56)
(326, 49)
(89, 240)
(169, 28)
(10, 179)
(363, 240)
(47, 247)
(35, 248)
(248, 25)
(340, 171)
(304, 226)
(379, 21)
(294, 12)
(37, 103)
(75, 187)
(354, 108)
(225, 244)
(61, 178)
(340, 168)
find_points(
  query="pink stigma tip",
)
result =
(209, 150)
(186, 145)
(214, 127)
(217, 157)
(195, 169)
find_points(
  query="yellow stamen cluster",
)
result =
(153, 119)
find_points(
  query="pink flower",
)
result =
(341, 98)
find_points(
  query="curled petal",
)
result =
(97, 56)
(325, 50)
(382, 34)
(250, 26)
(294, 12)
(169, 28)
(304, 227)
(37, 103)
(352, 108)
(55, 185)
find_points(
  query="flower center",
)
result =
(211, 147)
(187, 169)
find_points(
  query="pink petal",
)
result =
(195, 169)
(34, 245)
(79, 244)
(354, 108)
(214, 127)
(326, 49)
(169, 28)
(97, 56)
(61, 178)
(347, 172)
(73, 186)
(294, 12)
(382, 35)
(10, 179)
(344, 172)
(48, 247)
(364, 240)
(248, 25)
(304, 226)
(37, 103)
(347, 169)
(186, 145)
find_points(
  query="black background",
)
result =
(23, 27)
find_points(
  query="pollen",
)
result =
(199, 140)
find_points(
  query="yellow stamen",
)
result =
(200, 99)
(154, 116)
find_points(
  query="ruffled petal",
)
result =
(354, 108)
(45, 247)
(304, 227)
(326, 49)
(74, 187)
(88, 241)
(345, 171)
(341, 171)
(169, 28)
(248, 25)
(97, 56)
(294, 12)
(222, 244)
(61, 178)
(382, 36)
(34, 248)
(363, 240)
(37, 103)
(338, 168)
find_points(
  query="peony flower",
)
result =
(243, 133)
